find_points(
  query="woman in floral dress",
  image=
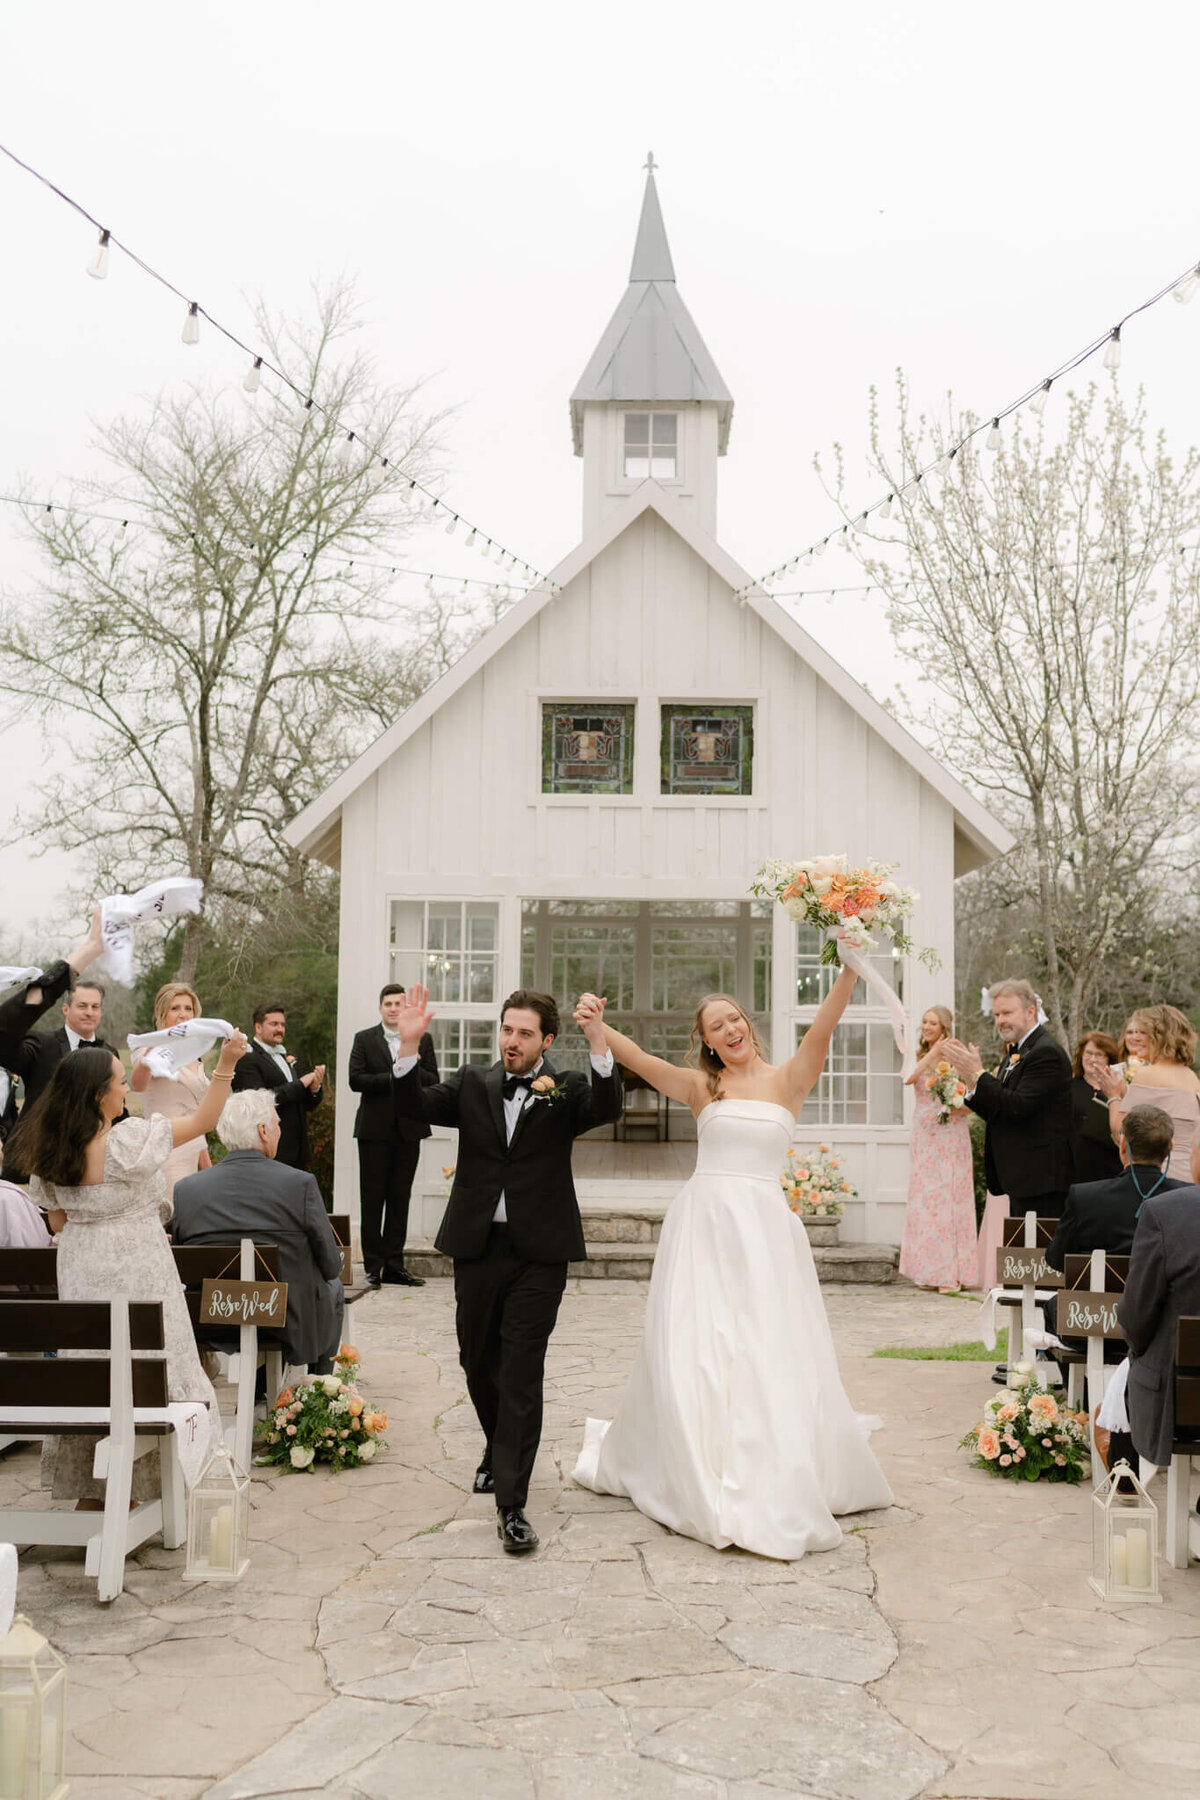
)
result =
(939, 1247)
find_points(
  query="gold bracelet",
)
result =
(217, 1075)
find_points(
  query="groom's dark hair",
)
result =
(529, 1000)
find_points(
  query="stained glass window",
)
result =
(586, 749)
(707, 750)
(651, 445)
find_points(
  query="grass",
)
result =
(975, 1352)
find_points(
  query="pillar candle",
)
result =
(220, 1538)
(12, 1755)
(1120, 1569)
(1137, 1544)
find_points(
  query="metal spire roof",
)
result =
(651, 349)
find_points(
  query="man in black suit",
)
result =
(34, 1055)
(1163, 1286)
(297, 1089)
(389, 1146)
(249, 1194)
(512, 1224)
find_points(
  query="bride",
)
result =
(735, 1427)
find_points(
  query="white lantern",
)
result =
(218, 1516)
(33, 1716)
(1124, 1539)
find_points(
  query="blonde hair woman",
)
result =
(939, 1248)
(174, 1002)
(735, 1427)
(1165, 1078)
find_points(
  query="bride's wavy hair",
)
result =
(699, 1056)
(51, 1137)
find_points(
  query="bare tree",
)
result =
(219, 661)
(1050, 593)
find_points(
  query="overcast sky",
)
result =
(969, 193)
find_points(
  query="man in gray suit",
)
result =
(1163, 1285)
(249, 1194)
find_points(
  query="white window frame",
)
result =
(650, 413)
(870, 1012)
(452, 1011)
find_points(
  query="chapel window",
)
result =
(651, 446)
(452, 947)
(707, 749)
(587, 747)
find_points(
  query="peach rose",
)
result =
(543, 1084)
(347, 1353)
(989, 1443)
(286, 1398)
(355, 1408)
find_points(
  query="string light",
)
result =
(1038, 404)
(1187, 287)
(1112, 355)
(252, 380)
(97, 266)
(995, 437)
(344, 448)
(191, 325)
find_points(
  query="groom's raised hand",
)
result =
(414, 1020)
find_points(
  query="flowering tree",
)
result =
(1050, 592)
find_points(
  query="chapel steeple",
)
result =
(651, 403)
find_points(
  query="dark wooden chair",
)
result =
(1186, 1441)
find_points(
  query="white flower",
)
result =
(1024, 1368)
(331, 1384)
(796, 909)
(300, 1456)
(366, 1451)
(341, 1405)
(958, 1100)
(821, 885)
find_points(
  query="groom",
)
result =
(512, 1224)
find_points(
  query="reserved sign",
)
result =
(1088, 1315)
(225, 1302)
(339, 1224)
(1016, 1267)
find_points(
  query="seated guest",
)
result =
(296, 1089)
(1094, 1155)
(249, 1194)
(1163, 1285)
(22, 1224)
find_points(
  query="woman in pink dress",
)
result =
(173, 1003)
(939, 1247)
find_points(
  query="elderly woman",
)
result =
(1094, 1154)
(100, 1179)
(1163, 1040)
(162, 1097)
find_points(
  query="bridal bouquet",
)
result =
(1028, 1432)
(323, 1418)
(947, 1090)
(826, 892)
(813, 1184)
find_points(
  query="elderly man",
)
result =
(1163, 1286)
(249, 1194)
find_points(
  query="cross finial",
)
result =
(650, 165)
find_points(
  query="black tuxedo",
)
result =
(34, 1055)
(389, 1147)
(1103, 1215)
(1027, 1106)
(293, 1101)
(509, 1278)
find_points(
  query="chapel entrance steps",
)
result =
(621, 1240)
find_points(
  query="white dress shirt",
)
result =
(74, 1039)
(277, 1056)
(516, 1104)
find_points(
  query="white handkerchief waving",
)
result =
(121, 912)
(10, 977)
(171, 1050)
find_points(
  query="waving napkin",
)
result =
(10, 977)
(121, 912)
(171, 1050)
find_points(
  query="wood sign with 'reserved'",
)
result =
(1082, 1314)
(227, 1302)
(1015, 1266)
(339, 1224)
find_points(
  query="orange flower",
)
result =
(347, 1353)
(989, 1443)
(286, 1398)
(943, 1068)
(355, 1407)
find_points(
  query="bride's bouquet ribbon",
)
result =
(121, 912)
(12, 977)
(854, 960)
(169, 1051)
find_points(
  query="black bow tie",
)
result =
(513, 1083)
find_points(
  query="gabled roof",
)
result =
(651, 349)
(313, 831)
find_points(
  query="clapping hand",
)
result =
(964, 1059)
(1109, 1080)
(414, 1020)
(589, 1016)
(315, 1077)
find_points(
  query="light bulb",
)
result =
(97, 266)
(344, 447)
(252, 380)
(191, 325)
(808, 556)
(1112, 356)
(1038, 403)
(451, 526)
(1186, 288)
(995, 437)
(914, 490)
(885, 511)
(470, 537)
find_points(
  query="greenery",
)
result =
(1028, 1433)
(322, 1420)
(968, 1352)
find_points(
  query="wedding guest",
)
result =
(938, 1249)
(99, 1176)
(22, 1224)
(1163, 1285)
(1162, 1076)
(34, 1055)
(1094, 1155)
(173, 1003)
(8, 1103)
(249, 1194)
(297, 1089)
(389, 1146)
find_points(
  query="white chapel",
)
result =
(663, 737)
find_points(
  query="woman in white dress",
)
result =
(735, 1427)
(161, 1097)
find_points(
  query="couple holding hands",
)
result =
(734, 1428)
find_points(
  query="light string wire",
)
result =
(1183, 286)
(259, 362)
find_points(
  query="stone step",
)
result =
(870, 1265)
(609, 1224)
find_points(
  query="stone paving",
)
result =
(381, 1643)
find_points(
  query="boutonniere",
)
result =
(289, 1059)
(546, 1089)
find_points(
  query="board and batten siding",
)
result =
(457, 810)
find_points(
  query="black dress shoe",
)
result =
(484, 1480)
(402, 1278)
(514, 1531)
(373, 1281)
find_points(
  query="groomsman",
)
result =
(389, 1146)
(297, 1089)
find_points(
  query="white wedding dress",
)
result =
(735, 1427)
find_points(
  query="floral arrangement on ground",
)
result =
(1029, 1433)
(323, 1419)
(813, 1184)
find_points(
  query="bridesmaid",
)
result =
(173, 1003)
(939, 1247)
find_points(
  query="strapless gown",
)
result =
(735, 1427)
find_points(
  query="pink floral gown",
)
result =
(939, 1247)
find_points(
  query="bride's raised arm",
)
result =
(802, 1069)
(686, 1085)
